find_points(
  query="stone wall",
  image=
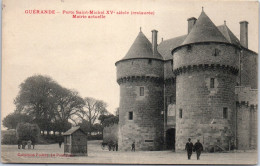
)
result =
(246, 118)
(168, 70)
(249, 68)
(202, 108)
(199, 107)
(140, 67)
(146, 127)
(205, 54)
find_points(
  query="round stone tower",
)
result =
(140, 76)
(205, 65)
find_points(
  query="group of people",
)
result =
(23, 143)
(112, 146)
(197, 147)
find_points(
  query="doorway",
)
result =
(170, 139)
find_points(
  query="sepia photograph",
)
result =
(130, 82)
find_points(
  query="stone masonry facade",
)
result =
(203, 85)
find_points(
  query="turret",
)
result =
(140, 76)
(205, 66)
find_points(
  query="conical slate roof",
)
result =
(141, 48)
(228, 34)
(204, 30)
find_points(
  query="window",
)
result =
(212, 82)
(189, 48)
(225, 113)
(216, 52)
(150, 61)
(180, 113)
(141, 91)
(130, 115)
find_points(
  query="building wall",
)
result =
(203, 54)
(246, 118)
(79, 143)
(168, 70)
(249, 68)
(202, 106)
(140, 67)
(146, 128)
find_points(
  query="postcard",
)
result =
(129, 82)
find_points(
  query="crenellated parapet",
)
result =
(170, 80)
(139, 78)
(246, 96)
(206, 56)
(204, 67)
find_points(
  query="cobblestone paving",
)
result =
(45, 154)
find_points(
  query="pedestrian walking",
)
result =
(33, 143)
(133, 146)
(60, 143)
(198, 148)
(188, 147)
(29, 143)
(116, 146)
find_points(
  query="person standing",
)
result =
(19, 143)
(24, 144)
(116, 146)
(133, 146)
(60, 143)
(29, 143)
(188, 148)
(33, 142)
(198, 148)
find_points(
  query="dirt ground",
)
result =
(53, 154)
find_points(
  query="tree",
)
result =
(49, 104)
(92, 110)
(35, 99)
(27, 131)
(69, 105)
(106, 120)
(11, 121)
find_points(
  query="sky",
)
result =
(80, 53)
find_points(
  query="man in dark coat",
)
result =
(133, 146)
(188, 147)
(198, 148)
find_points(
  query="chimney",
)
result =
(244, 33)
(154, 41)
(191, 22)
